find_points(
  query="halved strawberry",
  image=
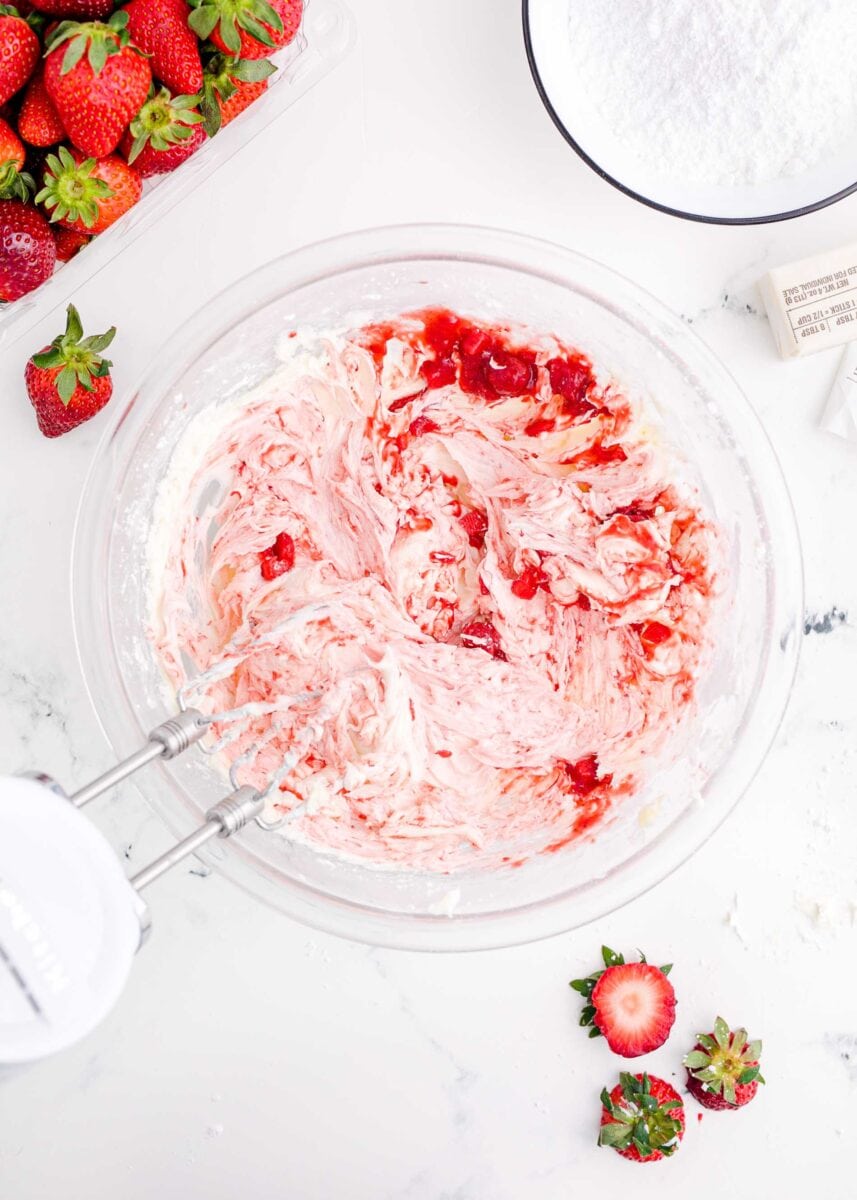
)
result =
(631, 1004)
(642, 1118)
(723, 1068)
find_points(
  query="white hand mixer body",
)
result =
(70, 920)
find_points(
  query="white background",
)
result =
(251, 1057)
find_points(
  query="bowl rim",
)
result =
(684, 214)
(532, 920)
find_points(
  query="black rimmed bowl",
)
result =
(576, 116)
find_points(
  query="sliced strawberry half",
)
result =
(631, 1004)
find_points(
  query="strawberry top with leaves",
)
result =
(166, 131)
(631, 1004)
(230, 83)
(723, 1067)
(248, 28)
(98, 81)
(69, 381)
(88, 194)
(19, 52)
(642, 1118)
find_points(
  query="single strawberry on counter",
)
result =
(98, 81)
(642, 1118)
(88, 194)
(166, 131)
(229, 86)
(69, 381)
(723, 1068)
(28, 253)
(247, 28)
(15, 183)
(631, 1004)
(38, 121)
(76, 10)
(160, 28)
(20, 52)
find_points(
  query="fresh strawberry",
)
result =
(19, 52)
(27, 250)
(482, 635)
(229, 86)
(76, 10)
(279, 558)
(15, 183)
(631, 1004)
(723, 1068)
(247, 28)
(38, 121)
(642, 1118)
(69, 381)
(69, 242)
(166, 131)
(97, 81)
(160, 27)
(88, 194)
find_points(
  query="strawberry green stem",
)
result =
(79, 359)
(164, 121)
(71, 192)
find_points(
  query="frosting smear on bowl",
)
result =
(450, 572)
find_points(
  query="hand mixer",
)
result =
(70, 920)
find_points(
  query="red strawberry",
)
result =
(15, 183)
(572, 379)
(88, 194)
(475, 525)
(642, 1118)
(653, 633)
(76, 10)
(528, 582)
(69, 381)
(247, 28)
(422, 425)
(481, 635)
(631, 1004)
(160, 27)
(19, 52)
(723, 1068)
(27, 250)
(166, 131)
(69, 242)
(279, 558)
(229, 86)
(97, 81)
(38, 121)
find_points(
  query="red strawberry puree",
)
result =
(495, 576)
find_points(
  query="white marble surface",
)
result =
(252, 1057)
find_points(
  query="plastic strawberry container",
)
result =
(325, 37)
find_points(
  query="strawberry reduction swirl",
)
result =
(450, 551)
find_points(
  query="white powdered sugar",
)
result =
(720, 91)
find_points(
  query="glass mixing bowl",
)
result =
(698, 407)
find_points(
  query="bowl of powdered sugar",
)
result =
(729, 111)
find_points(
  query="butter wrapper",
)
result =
(840, 413)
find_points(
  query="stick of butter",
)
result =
(812, 304)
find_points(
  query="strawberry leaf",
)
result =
(67, 384)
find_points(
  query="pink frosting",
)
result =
(427, 749)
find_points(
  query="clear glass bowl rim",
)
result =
(559, 265)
